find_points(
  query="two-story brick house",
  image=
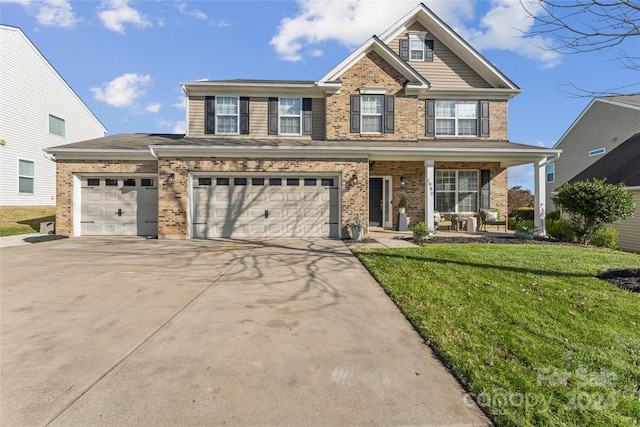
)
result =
(414, 113)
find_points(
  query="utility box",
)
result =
(47, 228)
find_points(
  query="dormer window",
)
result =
(416, 48)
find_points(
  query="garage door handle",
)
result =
(120, 212)
(199, 223)
(86, 222)
(266, 214)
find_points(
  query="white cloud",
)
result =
(181, 104)
(505, 27)
(180, 127)
(222, 24)
(51, 13)
(316, 53)
(153, 108)
(351, 22)
(116, 13)
(122, 91)
(182, 7)
(521, 176)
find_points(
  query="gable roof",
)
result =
(453, 41)
(376, 45)
(18, 30)
(620, 165)
(623, 101)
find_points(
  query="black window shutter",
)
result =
(210, 115)
(389, 113)
(244, 115)
(306, 116)
(273, 116)
(484, 119)
(355, 113)
(404, 49)
(430, 124)
(428, 50)
(485, 184)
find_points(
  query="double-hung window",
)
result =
(372, 108)
(457, 118)
(456, 191)
(227, 114)
(290, 115)
(416, 47)
(25, 176)
(551, 172)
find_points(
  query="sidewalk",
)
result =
(17, 240)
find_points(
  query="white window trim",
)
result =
(49, 125)
(421, 37)
(477, 191)
(362, 114)
(33, 178)
(455, 118)
(237, 115)
(299, 116)
(552, 173)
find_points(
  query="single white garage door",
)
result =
(265, 206)
(119, 206)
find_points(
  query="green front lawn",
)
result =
(24, 219)
(528, 330)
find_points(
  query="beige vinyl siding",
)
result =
(318, 116)
(629, 230)
(602, 125)
(446, 69)
(196, 116)
(258, 116)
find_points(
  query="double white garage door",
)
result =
(265, 206)
(119, 206)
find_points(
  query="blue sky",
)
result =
(126, 59)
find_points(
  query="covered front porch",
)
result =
(456, 185)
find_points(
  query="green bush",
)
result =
(553, 215)
(605, 237)
(561, 229)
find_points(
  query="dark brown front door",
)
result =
(375, 202)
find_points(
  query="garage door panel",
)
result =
(239, 210)
(118, 210)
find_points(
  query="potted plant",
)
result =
(524, 230)
(356, 227)
(421, 231)
(402, 205)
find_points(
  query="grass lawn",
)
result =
(24, 219)
(528, 330)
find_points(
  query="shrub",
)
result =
(525, 214)
(403, 203)
(553, 215)
(591, 204)
(605, 237)
(560, 229)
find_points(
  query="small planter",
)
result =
(522, 234)
(355, 233)
(420, 235)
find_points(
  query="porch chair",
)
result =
(440, 221)
(491, 217)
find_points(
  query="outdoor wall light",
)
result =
(354, 179)
(171, 178)
(403, 182)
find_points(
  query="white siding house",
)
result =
(38, 109)
(605, 124)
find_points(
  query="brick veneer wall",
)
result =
(414, 191)
(173, 200)
(66, 169)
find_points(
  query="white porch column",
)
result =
(429, 186)
(540, 209)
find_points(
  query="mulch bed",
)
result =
(46, 238)
(628, 279)
(360, 241)
(491, 239)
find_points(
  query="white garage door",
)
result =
(119, 206)
(265, 206)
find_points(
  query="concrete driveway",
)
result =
(126, 331)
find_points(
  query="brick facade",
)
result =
(173, 200)
(65, 171)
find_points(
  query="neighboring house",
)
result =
(605, 124)
(38, 109)
(414, 113)
(621, 165)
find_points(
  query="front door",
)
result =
(375, 202)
